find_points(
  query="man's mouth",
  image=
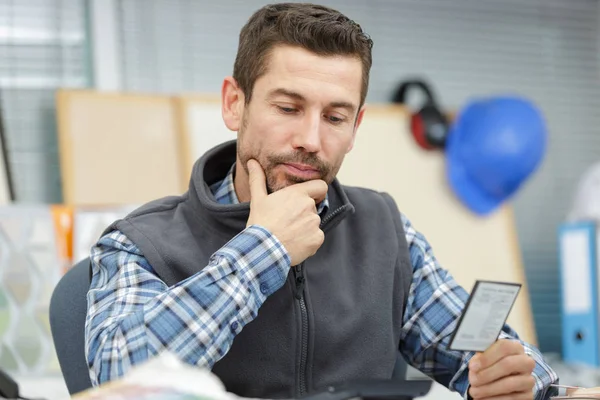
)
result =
(303, 171)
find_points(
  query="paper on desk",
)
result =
(163, 377)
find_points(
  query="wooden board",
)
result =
(118, 149)
(387, 158)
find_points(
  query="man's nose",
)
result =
(308, 136)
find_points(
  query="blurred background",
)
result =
(545, 50)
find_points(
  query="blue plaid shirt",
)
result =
(133, 315)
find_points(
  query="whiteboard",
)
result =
(203, 127)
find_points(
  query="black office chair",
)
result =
(68, 307)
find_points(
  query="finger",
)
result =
(314, 208)
(319, 238)
(511, 365)
(497, 351)
(256, 180)
(316, 189)
(504, 386)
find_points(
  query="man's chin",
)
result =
(282, 183)
(271, 188)
(291, 182)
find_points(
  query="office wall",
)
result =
(544, 49)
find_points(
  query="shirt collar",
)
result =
(224, 192)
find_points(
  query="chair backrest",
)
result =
(68, 308)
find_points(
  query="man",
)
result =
(271, 273)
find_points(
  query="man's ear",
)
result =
(232, 104)
(359, 118)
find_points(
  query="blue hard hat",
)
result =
(493, 146)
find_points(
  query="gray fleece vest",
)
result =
(339, 314)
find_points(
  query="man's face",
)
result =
(302, 117)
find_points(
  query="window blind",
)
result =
(42, 47)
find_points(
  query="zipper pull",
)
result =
(299, 281)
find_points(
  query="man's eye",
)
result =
(287, 110)
(335, 120)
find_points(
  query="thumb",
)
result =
(256, 180)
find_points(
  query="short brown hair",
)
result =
(316, 28)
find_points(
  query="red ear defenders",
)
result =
(428, 125)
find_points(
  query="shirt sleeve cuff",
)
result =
(260, 259)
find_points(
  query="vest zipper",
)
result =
(331, 216)
(300, 281)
